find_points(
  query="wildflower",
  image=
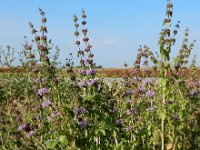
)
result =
(44, 20)
(43, 38)
(80, 111)
(91, 72)
(31, 56)
(152, 108)
(137, 79)
(150, 93)
(82, 84)
(119, 122)
(194, 92)
(148, 82)
(43, 91)
(92, 82)
(29, 134)
(128, 101)
(82, 72)
(89, 60)
(141, 90)
(53, 115)
(83, 124)
(177, 65)
(130, 111)
(84, 22)
(85, 39)
(25, 127)
(87, 49)
(78, 42)
(46, 103)
(84, 30)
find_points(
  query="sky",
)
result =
(116, 28)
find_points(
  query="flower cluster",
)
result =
(46, 103)
(43, 91)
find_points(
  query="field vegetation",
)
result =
(45, 107)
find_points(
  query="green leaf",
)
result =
(63, 140)
(103, 132)
(114, 133)
(51, 145)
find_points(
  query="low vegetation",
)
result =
(45, 107)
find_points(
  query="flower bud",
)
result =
(34, 31)
(78, 43)
(28, 47)
(44, 38)
(31, 56)
(37, 38)
(44, 20)
(84, 31)
(76, 25)
(84, 22)
(75, 18)
(43, 28)
(85, 39)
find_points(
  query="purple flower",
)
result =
(89, 60)
(25, 127)
(80, 111)
(82, 72)
(119, 122)
(43, 91)
(81, 84)
(128, 101)
(53, 115)
(141, 90)
(194, 92)
(130, 111)
(46, 103)
(91, 72)
(137, 79)
(150, 93)
(93, 82)
(177, 65)
(29, 134)
(83, 124)
(152, 108)
(148, 82)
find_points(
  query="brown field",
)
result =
(110, 72)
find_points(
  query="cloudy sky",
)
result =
(116, 28)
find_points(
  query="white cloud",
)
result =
(109, 41)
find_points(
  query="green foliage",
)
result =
(43, 108)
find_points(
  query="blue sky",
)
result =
(116, 28)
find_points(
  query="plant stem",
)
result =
(163, 137)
